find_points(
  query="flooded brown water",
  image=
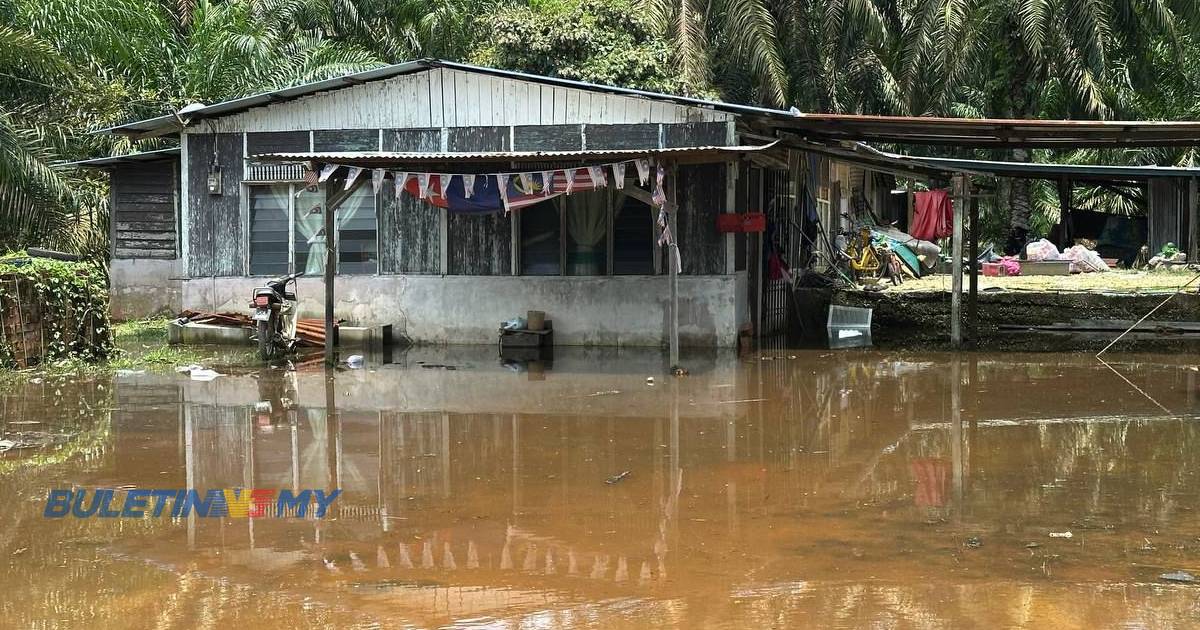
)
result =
(792, 489)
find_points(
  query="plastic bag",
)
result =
(1042, 250)
(1084, 260)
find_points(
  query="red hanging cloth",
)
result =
(933, 215)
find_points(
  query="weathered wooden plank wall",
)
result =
(700, 193)
(346, 140)
(216, 242)
(409, 229)
(547, 138)
(144, 212)
(490, 138)
(276, 142)
(694, 134)
(453, 98)
(622, 136)
(479, 244)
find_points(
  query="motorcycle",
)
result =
(275, 317)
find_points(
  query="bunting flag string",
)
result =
(377, 180)
(400, 180)
(480, 193)
(327, 171)
(618, 170)
(643, 169)
(355, 171)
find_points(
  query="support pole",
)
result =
(960, 197)
(973, 255)
(672, 263)
(330, 264)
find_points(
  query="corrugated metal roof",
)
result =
(1030, 170)
(992, 132)
(382, 159)
(169, 123)
(981, 132)
(132, 158)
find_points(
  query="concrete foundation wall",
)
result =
(612, 311)
(143, 287)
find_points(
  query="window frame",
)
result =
(294, 188)
(560, 204)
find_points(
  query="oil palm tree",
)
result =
(77, 66)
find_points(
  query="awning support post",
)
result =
(961, 194)
(673, 263)
(330, 263)
(333, 201)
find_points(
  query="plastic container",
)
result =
(848, 326)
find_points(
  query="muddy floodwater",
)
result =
(781, 489)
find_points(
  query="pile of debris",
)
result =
(309, 332)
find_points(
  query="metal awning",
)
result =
(386, 159)
(1030, 170)
(986, 132)
(119, 160)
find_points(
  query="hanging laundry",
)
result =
(660, 195)
(933, 215)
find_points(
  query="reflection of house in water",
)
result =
(478, 477)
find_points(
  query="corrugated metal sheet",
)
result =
(1078, 172)
(118, 160)
(380, 159)
(454, 83)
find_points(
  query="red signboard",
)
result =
(749, 222)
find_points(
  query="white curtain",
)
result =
(309, 225)
(587, 218)
(308, 229)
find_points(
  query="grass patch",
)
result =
(142, 330)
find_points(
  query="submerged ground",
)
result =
(785, 488)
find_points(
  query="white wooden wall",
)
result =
(442, 97)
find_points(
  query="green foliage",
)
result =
(587, 40)
(72, 299)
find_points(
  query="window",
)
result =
(593, 233)
(358, 251)
(540, 236)
(287, 229)
(633, 236)
(269, 218)
(586, 217)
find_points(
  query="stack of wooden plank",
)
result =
(310, 332)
